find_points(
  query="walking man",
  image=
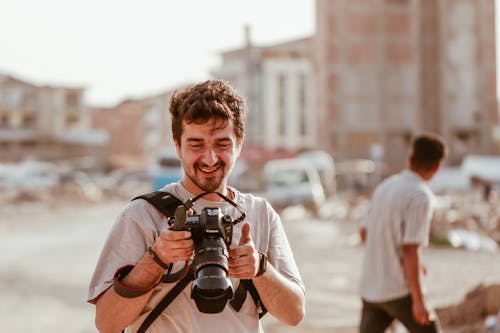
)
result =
(396, 228)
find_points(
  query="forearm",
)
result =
(283, 298)
(114, 312)
(411, 265)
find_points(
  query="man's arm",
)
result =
(411, 264)
(283, 298)
(114, 312)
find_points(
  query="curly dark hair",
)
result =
(210, 100)
(428, 150)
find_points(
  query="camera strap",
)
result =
(240, 296)
(189, 203)
(171, 295)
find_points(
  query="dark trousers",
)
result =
(377, 317)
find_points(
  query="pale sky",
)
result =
(123, 48)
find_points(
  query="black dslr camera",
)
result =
(212, 233)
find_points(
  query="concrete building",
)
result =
(278, 83)
(45, 122)
(389, 69)
(138, 130)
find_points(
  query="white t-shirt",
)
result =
(138, 227)
(400, 213)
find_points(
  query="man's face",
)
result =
(208, 153)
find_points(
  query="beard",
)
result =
(207, 184)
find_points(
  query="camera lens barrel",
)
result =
(211, 289)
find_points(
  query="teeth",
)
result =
(208, 169)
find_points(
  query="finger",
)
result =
(245, 234)
(424, 319)
(242, 272)
(175, 235)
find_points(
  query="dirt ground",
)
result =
(48, 253)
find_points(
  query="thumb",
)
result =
(245, 234)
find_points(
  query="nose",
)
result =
(209, 157)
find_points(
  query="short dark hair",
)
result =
(427, 151)
(212, 99)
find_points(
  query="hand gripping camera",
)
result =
(212, 233)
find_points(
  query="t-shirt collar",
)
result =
(412, 175)
(204, 202)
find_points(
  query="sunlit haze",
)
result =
(118, 49)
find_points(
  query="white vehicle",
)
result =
(293, 181)
(325, 165)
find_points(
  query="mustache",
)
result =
(219, 164)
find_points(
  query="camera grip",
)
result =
(179, 218)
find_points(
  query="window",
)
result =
(281, 105)
(303, 104)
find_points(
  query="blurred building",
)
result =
(278, 83)
(45, 122)
(138, 130)
(389, 69)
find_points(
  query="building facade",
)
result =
(278, 83)
(139, 130)
(389, 69)
(45, 122)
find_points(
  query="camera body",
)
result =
(212, 233)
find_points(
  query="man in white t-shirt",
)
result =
(208, 122)
(396, 228)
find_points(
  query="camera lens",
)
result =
(211, 288)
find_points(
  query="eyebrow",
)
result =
(223, 139)
(194, 140)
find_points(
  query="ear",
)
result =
(410, 161)
(436, 168)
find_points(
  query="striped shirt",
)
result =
(400, 213)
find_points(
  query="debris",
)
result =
(476, 306)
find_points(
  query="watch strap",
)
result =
(157, 259)
(262, 264)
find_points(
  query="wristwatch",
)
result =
(262, 264)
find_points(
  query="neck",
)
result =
(195, 190)
(426, 175)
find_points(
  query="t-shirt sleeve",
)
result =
(280, 253)
(126, 243)
(417, 220)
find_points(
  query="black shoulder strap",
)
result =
(165, 202)
(241, 294)
(171, 295)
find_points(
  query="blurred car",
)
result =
(293, 181)
(358, 174)
(325, 165)
(165, 168)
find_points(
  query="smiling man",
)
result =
(208, 125)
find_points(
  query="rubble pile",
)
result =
(467, 220)
(478, 312)
(79, 190)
